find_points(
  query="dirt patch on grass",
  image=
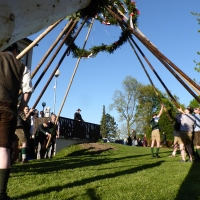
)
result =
(97, 146)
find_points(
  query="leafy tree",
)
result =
(148, 104)
(194, 103)
(197, 68)
(125, 101)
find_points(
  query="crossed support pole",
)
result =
(165, 61)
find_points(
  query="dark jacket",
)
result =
(77, 116)
(11, 73)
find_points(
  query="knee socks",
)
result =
(24, 153)
(152, 153)
(198, 153)
(4, 175)
(157, 151)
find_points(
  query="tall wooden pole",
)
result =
(150, 80)
(154, 71)
(51, 48)
(56, 53)
(59, 63)
(159, 55)
(74, 72)
(38, 39)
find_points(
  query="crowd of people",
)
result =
(186, 135)
(16, 122)
(136, 141)
(38, 144)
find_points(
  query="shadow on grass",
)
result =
(66, 163)
(91, 192)
(90, 151)
(190, 188)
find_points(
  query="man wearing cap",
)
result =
(13, 77)
(188, 123)
(196, 141)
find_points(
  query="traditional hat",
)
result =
(78, 109)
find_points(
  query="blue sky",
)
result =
(167, 24)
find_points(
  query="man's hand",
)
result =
(48, 135)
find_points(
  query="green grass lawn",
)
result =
(118, 173)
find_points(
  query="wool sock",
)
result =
(4, 175)
(24, 154)
(157, 151)
(198, 153)
(20, 155)
(152, 153)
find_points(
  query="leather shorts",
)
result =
(8, 122)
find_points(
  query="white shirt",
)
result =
(26, 85)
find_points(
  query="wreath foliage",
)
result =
(97, 10)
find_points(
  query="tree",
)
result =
(108, 125)
(194, 103)
(103, 127)
(197, 68)
(148, 103)
(125, 101)
(111, 126)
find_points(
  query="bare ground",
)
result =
(97, 146)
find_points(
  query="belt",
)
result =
(8, 105)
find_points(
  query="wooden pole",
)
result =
(74, 72)
(150, 80)
(194, 88)
(56, 53)
(59, 63)
(151, 47)
(38, 39)
(159, 55)
(51, 48)
(154, 71)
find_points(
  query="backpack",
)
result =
(154, 124)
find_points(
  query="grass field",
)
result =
(106, 172)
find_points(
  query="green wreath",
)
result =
(97, 9)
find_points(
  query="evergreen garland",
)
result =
(97, 9)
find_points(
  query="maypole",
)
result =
(74, 72)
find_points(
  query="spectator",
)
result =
(145, 141)
(77, 116)
(54, 130)
(129, 141)
(41, 113)
(41, 139)
(140, 142)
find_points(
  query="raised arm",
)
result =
(161, 110)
